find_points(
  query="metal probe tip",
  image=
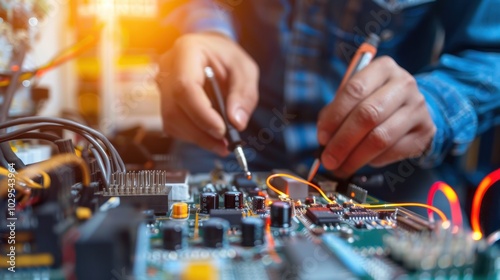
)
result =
(249, 175)
(242, 161)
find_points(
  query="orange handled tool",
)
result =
(365, 53)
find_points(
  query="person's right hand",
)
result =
(186, 109)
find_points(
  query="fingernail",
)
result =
(220, 150)
(241, 117)
(323, 137)
(330, 162)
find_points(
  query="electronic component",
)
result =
(107, 243)
(382, 214)
(215, 233)
(322, 215)
(144, 189)
(208, 201)
(252, 232)
(242, 182)
(346, 233)
(412, 222)
(309, 200)
(347, 204)
(293, 188)
(178, 181)
(233, 216)
(180, 210)
(281, 214)
(356, 193)
(258, 203)
(368, 214)
(174, 235)
(337, 210)
(233, 200)
(444, 250)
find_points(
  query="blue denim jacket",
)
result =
(303, 47)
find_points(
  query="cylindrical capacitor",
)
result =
(252, 232)
(174, 235)
(258, 203)
(208, 201)
(233, 200)
(281, 214)
(214, 233)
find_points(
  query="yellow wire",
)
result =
(30, 183)
(436, 210)
(44, 167)
(55, 162)
(269, 185)
(46, 179)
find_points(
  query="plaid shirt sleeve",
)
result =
(461, 91)
(202, 16)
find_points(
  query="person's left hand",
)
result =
(379, 117)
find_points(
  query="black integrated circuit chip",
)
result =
(233, 216)
(368, 214)
(322, 215)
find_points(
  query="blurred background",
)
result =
(93, 61)
(109, 82)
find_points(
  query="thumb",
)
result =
(243, 93)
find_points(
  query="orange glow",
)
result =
(485, 184)
(451, 195)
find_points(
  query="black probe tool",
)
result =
(212, 88)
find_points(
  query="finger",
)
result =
(177, 124)
(378, 140)
(189, 94)
(367, 115)
(243, 92)
(362, 84)
(412, 145)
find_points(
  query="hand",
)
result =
(379, 117)
(186, 109)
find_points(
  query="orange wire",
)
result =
(269, 185)
(485, 184)
(436, 210)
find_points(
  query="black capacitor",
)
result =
(281, 214)
(208, 201)
(214, 233)
(174, 235)
(258, 203)
(233, 200)
(252, 232)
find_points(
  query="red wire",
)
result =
(477, 201)
(451, 195)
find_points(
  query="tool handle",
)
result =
(214, 92)
(364, 54)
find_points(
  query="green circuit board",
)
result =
(360, 244)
